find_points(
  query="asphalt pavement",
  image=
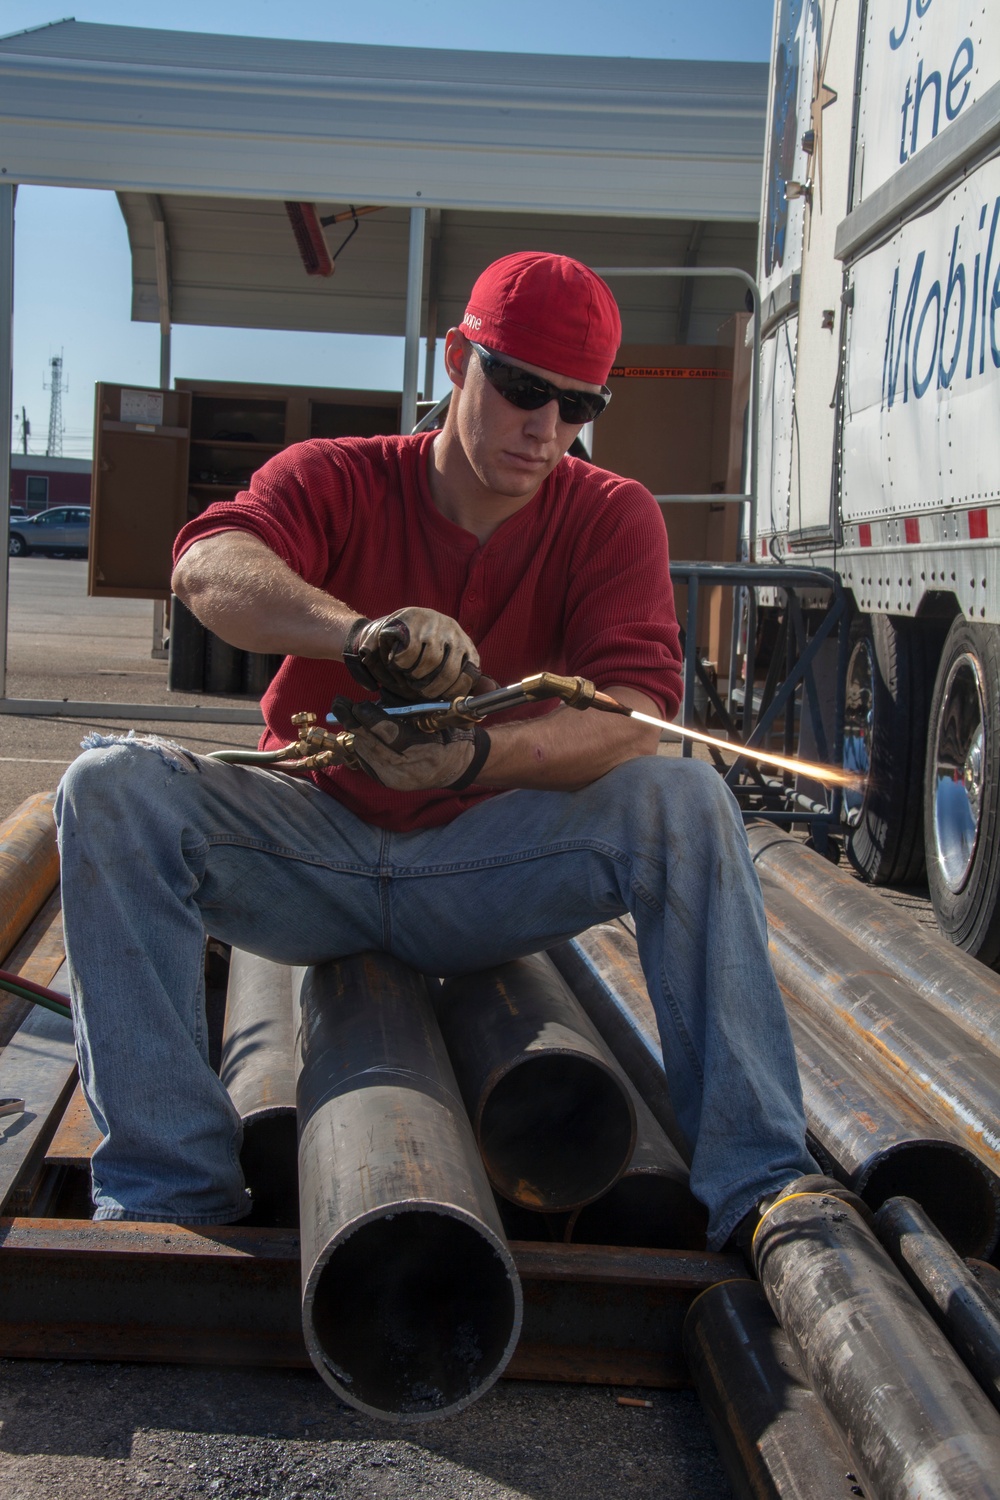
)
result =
(115, 1430)
(64, 645)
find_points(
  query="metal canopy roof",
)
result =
(234, 263)
(173, 112)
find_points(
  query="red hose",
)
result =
(35, 989)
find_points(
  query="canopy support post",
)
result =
(7, 191)
(414, 306)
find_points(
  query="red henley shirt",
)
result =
(577, 581)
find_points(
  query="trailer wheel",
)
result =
(962, 791)
(885, 725)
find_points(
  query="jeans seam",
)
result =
(219, 841)
(385, 879)
(681, 1028)
(517, 857)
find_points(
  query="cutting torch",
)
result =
(315, 747)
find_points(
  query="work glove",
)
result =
(415, 653)
(397, 754)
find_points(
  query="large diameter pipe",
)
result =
(603, 970)
(901, 1038)
(914, 1420)
(551, 1110)
(883, 1145)
(925, 961)
(774, 1438)
(258, 1069)
(411, 1304)
(949, 1290)
(880, 1142)
(651, 1205)
(29, 866)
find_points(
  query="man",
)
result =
(411, 565)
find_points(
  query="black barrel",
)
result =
(259, 1071)
(185, 650)
(915, 1422)
(774, 1438)
(411, 1304)
(223, 666)
(949, 1290)
(552, 1113)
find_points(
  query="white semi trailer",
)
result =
(880, 431)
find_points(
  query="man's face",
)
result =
(510, 451)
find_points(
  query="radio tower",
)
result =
(53, 448)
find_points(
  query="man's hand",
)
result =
(415, 653)
(399, 755)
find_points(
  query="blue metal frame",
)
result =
(759, 795)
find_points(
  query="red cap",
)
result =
(549, 311)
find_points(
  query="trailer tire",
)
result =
(885, 834)
(962, 791)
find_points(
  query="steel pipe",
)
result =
(651, 1205)
(411, 1304)
(880, 1141)
(949, 1290)
(903, 1040)
(29, 866)
(773, 1436)
(883, 1145)
(929, 965)
(551, 1110)
(987, 1279)
(911, 1415)
(258, 1070)
(602, 968)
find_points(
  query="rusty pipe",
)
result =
(881, 1142)
(929, 965)
(411, 1303)
(258, 1070)
(552, 1114)
(602, 968)
(949, 1290)
(883, 1145)
(902, 1039)
(773, 1436)
(651, 1205)
(910, 1414)
(29, 866)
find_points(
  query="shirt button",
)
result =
(472, 595)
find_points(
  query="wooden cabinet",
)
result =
(140, 488)
(161, 457)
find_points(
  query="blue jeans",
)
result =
(159, 846)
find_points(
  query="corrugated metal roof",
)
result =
(234, 263)
(172, 112)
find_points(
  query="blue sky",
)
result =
(72, 283)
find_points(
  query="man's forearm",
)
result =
(244, 593)
(569, 748)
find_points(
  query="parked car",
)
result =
(18, 513)
(63, 529)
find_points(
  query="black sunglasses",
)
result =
(530, 392)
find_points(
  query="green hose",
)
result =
(55, 1006)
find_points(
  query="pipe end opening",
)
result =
(556, 1132)
(414, 1314)
(948, 1182)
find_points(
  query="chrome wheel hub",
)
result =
(959, 756)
